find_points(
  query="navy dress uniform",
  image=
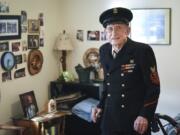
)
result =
(131, 82)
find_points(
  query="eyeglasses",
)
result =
(115, 28)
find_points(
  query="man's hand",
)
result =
(140, 125)
(95, 114)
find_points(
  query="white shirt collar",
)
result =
(115, 49)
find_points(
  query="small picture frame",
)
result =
(20, 73)
(18, 59)
(29, 104)
(15, 46)
(33, 41)
(6, 76)
(80, 35)
(34, 26)
(4, 46)
(93, 35)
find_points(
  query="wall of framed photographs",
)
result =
(25, 35)
(19, 79)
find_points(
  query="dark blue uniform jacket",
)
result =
(131, 85)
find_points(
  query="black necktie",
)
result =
(114, 54)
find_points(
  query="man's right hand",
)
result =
(95, 114)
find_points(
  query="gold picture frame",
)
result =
(33, 26)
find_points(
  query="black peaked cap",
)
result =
(116, 15)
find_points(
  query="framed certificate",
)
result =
(152, 26)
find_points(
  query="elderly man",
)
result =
(131, 81)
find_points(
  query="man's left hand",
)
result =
(140, 125)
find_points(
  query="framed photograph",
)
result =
(24, 45)
(33, 41)
(41, 19)
(19, 73)
(4, 46)
(41, 42)
(29, 104)
(80, 35)
(15, 46)
(4, 7)
(33, 26)
(93, 35)
(6, 76)
(23, 17)
(151, 26)
(18, 59)
(10, 27)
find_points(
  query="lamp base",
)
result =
(63, 60)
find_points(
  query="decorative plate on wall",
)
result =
(7, 61)
(91, 57)
(35, 61)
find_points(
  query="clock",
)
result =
(7, 61)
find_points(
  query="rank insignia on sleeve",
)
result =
(154, 76)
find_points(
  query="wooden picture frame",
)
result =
(35, 61)
(10, 27)
(151, 25)
(34, 26)
(91, 57)
(29, 104)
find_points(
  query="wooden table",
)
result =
(52, 123)
(7, 126)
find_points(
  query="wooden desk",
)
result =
(41, 125)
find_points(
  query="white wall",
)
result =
(73, 15)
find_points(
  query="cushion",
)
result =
(83, 109)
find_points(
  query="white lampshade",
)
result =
(63, 42)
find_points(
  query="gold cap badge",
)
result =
(115, 11)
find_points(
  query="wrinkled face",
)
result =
(117, 33)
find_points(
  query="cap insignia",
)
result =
(115, 11)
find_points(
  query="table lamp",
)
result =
(63, 43)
